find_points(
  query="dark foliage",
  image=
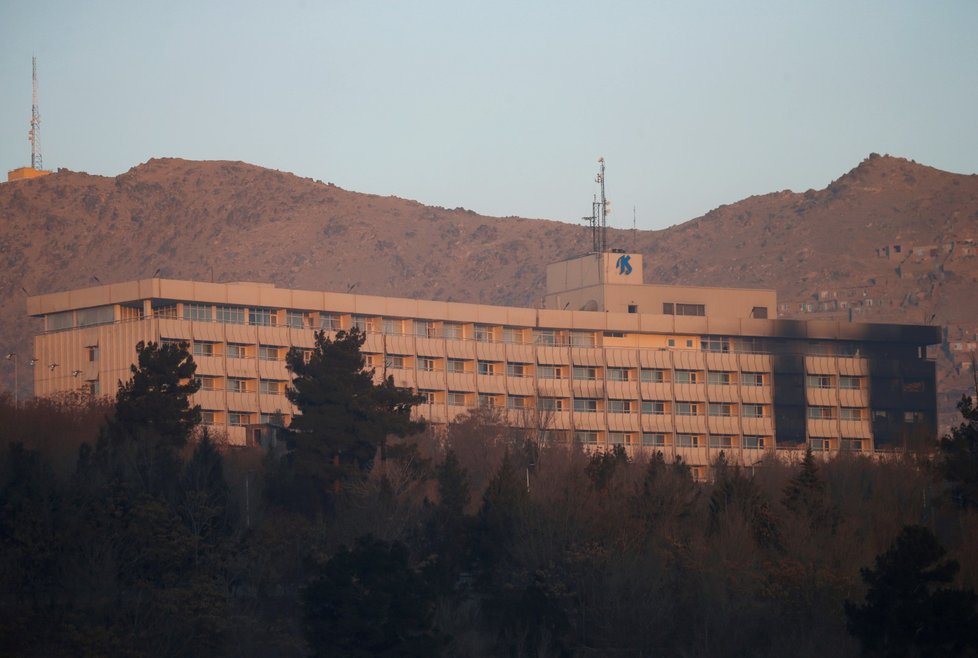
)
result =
(959, 450)
(908, 609)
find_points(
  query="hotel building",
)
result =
(608, 360)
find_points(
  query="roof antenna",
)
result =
(598, 221)
(35, 134)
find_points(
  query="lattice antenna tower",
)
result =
(35, 133)
(598, 220)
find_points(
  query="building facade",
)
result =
(608, 361)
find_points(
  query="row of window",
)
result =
(846, 382)
(664, 439)
(242, 385)
(833, 413)
(241, 418)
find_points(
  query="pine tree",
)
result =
(344, 416)
(960, 456)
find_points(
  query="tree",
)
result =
(344, 417)
(805, 495)
(370, 602)
(156, 401)
(907, 612)
(960, 456)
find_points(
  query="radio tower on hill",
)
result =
(37, 166)
(35, 134)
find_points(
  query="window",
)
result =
(426, 329)
(819, 444)
(513, 335)
(167, 311)
(484, 333)
(208, 417)
(583, 339)
(586, 405)
(486, 368)
(269, 352)
(427, 364)
(272, 387)
(850, 383)
(821, 413)
(752, 379)
(687, 377)
(456, 365)
(586, 438)
(851, 413)
(719, 378)
(653, 376)
(714, 344)
(851, 445)
(687, 409)
(198, 312)
(914, 386)
(633, 308)
(453, 331)
(204, 348)
(396, 361)
(819, 381)
(275, 418)
(57, 321)
(237, 351)
(209, 383)
(752, 410)
(518, 402)
(671, 342)
(545, 337)
(393, 327)
(652, 439)
(231, 314)
(173, 342)
(654, 407)
(687, 440)
(457, 399)
(488, 401)
(759, 312)
(92, 353)
(552, 404)
(517, 370)
(619, 374)
(585, 373)
(295, 319)
(428, 397)
(262, 317)
(550, 372)
(239, 418)
(914, 417)
(620, 406)
(359, 322)
(722, 409)
(237, 385)
(329, 322)
(754, 442)
(619, 438)
(721, 441)
(670, 308)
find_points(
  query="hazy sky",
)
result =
(501, 107)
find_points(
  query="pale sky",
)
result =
(501, 107)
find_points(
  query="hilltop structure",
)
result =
(608, 361)
(37, 168)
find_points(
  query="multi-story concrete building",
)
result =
(608, 361)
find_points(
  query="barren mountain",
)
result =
(890, 241)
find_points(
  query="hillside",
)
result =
(825, 251)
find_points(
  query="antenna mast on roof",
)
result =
(598, 220)
(35, 133)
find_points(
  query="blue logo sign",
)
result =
(624, 267)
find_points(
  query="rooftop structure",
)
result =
(608, 361)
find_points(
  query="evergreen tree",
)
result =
(960, 456)
(370, 602)
(155, 402)
(907, 611)
(344, 417)
(805, 495)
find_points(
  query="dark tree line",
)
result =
(126, 529)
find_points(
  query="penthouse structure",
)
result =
(608, 360)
